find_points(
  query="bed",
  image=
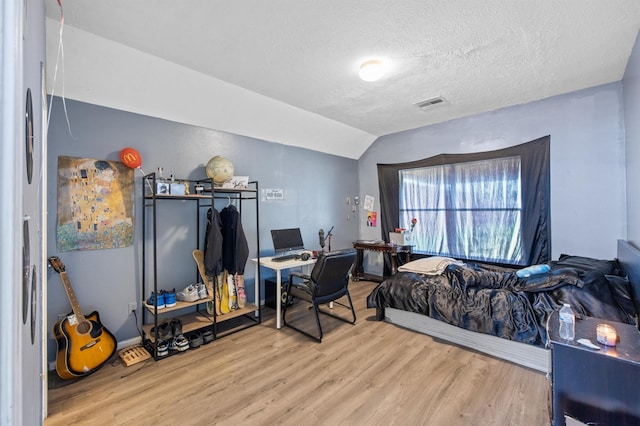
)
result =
(504, 312)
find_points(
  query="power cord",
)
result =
(144, 364)
(133, 311)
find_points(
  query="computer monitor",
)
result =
(285, 240)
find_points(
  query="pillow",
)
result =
(434, 265)
(622, 294)
(550, 280)
(594, 299)
(533, 270)
(588, 264)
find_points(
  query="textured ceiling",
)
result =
(478, 55)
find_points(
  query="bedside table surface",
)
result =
(627, 348)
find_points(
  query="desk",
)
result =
(595, 386)
(267, 262)
(358, 271)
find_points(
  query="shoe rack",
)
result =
(194, 316)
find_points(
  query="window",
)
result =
(489, 206)
(469, 210)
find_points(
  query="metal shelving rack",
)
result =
(198, 319)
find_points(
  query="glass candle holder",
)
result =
(606, 335)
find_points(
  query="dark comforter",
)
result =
(497, 302)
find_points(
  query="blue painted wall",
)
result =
(588, 206)
(315, 186)
(631, 89)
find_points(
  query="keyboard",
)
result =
(284, 258)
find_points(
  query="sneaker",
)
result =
(202, 291)
(157, 300)
(170, 298)
(165, 330)
(176, 326)
(179, 343)
(207, 336)
(188, 294)
(162, 348)
(195, 340)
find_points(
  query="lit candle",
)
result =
(606, 335)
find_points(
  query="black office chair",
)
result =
(327, 283)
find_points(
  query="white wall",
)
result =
(588, 198)
(102, 72)
(22, 379)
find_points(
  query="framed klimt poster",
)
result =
(95, 204)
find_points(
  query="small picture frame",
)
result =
(177, 188)
(163, 188)
(237, 182)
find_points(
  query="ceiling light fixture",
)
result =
(371, 70)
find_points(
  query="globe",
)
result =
(219, 169)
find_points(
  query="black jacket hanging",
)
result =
(213, 244)
(235, 249)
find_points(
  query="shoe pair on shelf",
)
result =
(163, 299)
(198, 339)
(170, 337)
(193, 293)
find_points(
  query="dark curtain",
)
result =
(536, 216)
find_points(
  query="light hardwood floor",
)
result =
(370, 373)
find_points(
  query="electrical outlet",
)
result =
(132, 307)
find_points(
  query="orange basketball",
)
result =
(131, 158)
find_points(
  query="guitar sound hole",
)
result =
(83, 327)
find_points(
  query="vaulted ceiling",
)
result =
(287, 70)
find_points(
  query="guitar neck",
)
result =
(75, 306)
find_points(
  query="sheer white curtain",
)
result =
(470, 210)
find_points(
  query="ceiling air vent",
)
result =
(431, 102)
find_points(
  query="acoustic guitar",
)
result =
(84, 344)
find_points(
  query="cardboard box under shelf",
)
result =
(400, 238)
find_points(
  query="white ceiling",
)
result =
(478, 55)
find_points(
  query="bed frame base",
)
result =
(519, 353)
